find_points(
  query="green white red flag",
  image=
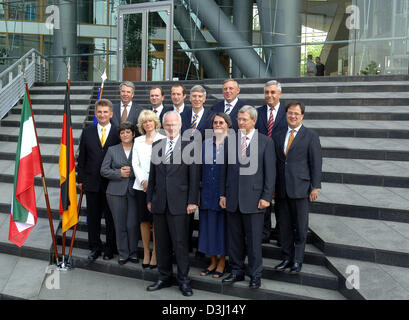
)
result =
(23, 215)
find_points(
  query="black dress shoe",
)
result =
(153, 266)
(121, 262)
(94, 254)
(145, 265)
(255, 283)
(133, 260)
(266, 240)
(283, 265)
(108, 256)
(186, 290)
(233, 278)
(160, 284)
(295, 268)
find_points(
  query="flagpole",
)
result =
(64, 235)
(47, 201)
(69, 263)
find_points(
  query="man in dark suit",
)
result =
(94, 144)
(178, 96)
(197, 119)
(126, 110)
(299, 163)
(231, 103)
(270, 120)
(172, 196)
(156, 97)
(246, 189)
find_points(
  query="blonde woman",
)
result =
(148, 126)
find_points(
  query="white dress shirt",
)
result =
(128, 108)
(232, 104)
(158, 109)
(287, 137)
(181, 108)
(275, 111)
(107, 129)
(141, 159)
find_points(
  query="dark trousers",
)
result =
(267, 222)
(245, 231)
(293, 227)
(171, 232)
(96, 203)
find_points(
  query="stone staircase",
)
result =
(361, 218)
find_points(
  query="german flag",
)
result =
(68, 189)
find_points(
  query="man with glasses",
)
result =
(299, 163)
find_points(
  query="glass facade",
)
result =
(211, 39)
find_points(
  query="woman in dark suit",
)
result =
(117, 168)
(212, 225)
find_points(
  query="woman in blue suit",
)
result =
(212, 223)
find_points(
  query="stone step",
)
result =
(356, 112)
(44, 121)
(359, 201)
(38, 244)
(270, 289)
(45, 135)
(50, 153)
(52, 109)
(54, 88)
(360, 128)
(366, 172)
(383, 242)
(355, 99)
(365, 148)
(372, 281)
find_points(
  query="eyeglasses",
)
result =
(218, 122)
(295, 114)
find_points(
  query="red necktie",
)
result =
(156, 111)
(270, 124)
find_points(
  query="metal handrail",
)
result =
(23, 70)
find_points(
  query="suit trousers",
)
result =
(172, 232)
(126, 223)
(267, 222)
(96, 203)
(293, 215)
(245, 231)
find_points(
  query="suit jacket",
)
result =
(300, 171)
(91, 156)
(173, 185)
(133, 115)
(164, 110)
(243, 191)
(205, 121)
(219, 107)
(280, 122)
(114, 160)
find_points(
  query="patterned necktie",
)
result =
(169, 152)
(193, 125)
(228, 108)
(243, 145)
(290, 141)
(270, 124)
(103, 137)
(124, 114)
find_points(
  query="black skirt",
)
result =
(144, 214)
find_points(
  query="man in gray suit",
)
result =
(126, 110)
(246, 189)
(299, 163)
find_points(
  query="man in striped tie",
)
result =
(299, 163)
(172, 197)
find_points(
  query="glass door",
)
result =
(145, 41)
